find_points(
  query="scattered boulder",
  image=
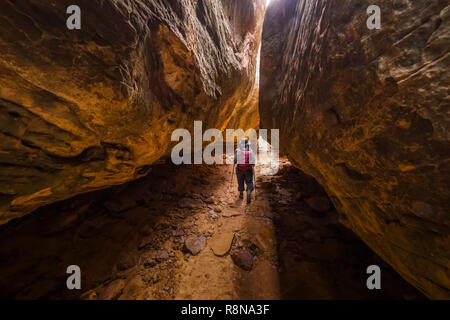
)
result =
(242, 258)
(161, 255)
(212, 215)
(221, 243)
(195, 244)
(319, 204)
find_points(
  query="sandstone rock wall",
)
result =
(85, 109)
(366, 112)
(246, 114)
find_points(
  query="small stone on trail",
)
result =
(242, 258)
(195, 244)
(221, 243)
(162, 255)
(212, 215)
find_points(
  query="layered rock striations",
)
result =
(366, 113)
(85, 109)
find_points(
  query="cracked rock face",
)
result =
(366, 113)
(85, 109)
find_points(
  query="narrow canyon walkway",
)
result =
(182, 233)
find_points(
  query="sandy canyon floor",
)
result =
(182, 233)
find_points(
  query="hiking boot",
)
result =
(241, 195)
(249, 196)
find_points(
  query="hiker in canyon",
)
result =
(245, 159)
(344, 106)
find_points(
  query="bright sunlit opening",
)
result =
(268, 2)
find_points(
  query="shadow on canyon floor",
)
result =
(138, 240)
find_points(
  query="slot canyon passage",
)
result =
(86, 122)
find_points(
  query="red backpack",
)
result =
(246, 165)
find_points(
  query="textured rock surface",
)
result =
(246, 114)
(242, 258)
(221, 243)
(194, 245)
(82, 110)
(366, 113)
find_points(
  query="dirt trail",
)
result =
(133, 241)
(232, 224)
